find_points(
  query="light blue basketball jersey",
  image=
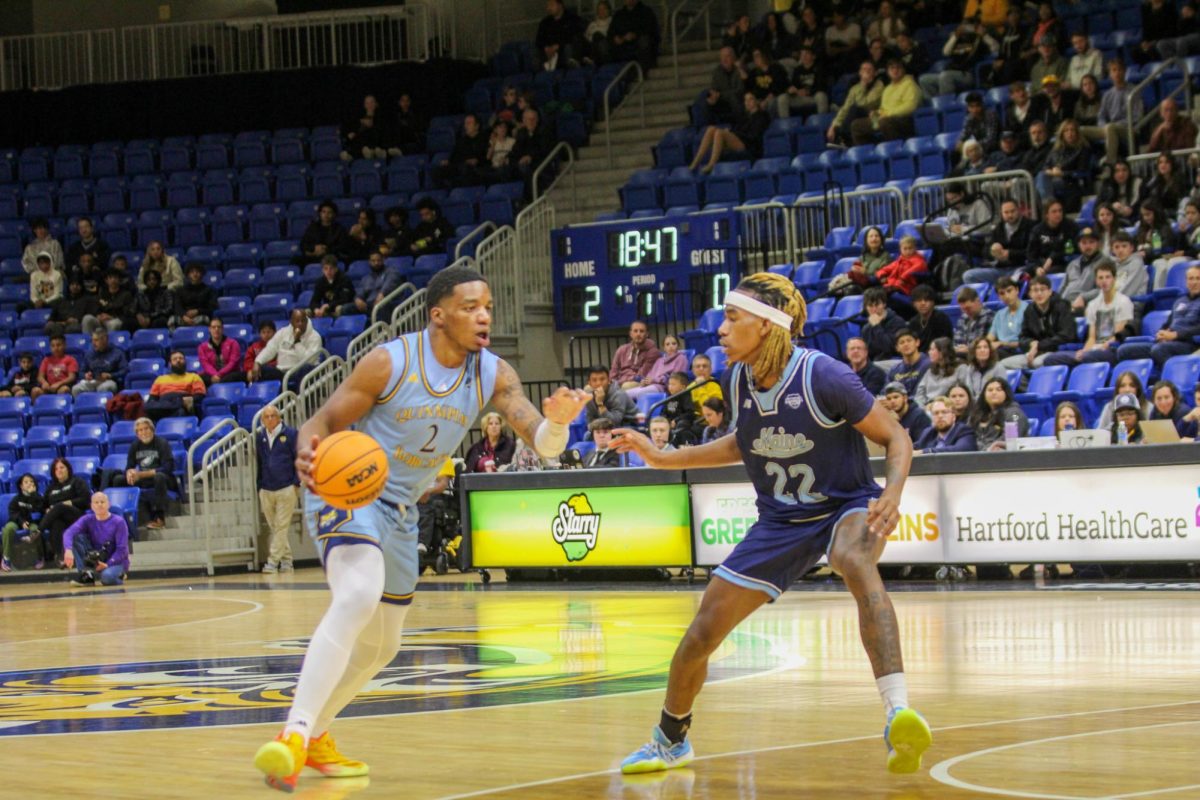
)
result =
(426, 410)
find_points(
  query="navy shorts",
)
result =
(774, 555)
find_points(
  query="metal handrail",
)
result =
(547, 162)
(409, 316)
(225, 449)
(1183, 163)
(677, 34)
(315, 359)
(1148, 116)
(532, 227)
(366, 341)
(973, 180)
(390, 297)
(641, 79)
(208, 435)
(482, 229)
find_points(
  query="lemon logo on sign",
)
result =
(577, 527)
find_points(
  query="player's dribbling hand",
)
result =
(304, 462)
(883, 515)
(564, 405)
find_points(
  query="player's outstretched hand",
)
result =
(883, 515)
(564, 405)
(627, 440)
(304, 461)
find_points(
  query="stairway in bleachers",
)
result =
(666, 108)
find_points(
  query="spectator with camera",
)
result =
(277, 486)
(149, 466)
(97, 545)
(946, 434)
(494, 450)
(25, 512)
(603, 455)
(67, 499)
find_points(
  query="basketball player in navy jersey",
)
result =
(417, 396)
(799, 418)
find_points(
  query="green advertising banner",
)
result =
(627, 526)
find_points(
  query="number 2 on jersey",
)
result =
(433, 432)
(804, 493)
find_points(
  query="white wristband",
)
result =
(550, 439)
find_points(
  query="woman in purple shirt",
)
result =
(672, 359)
(101, 532)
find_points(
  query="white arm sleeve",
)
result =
(550, 439)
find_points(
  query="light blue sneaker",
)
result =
(907, 736)
(658, 754)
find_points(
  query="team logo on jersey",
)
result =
(586, 655)
(775, 443)
(793, 401)
(576, 527)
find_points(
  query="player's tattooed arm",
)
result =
(510, 401)
(882, 428)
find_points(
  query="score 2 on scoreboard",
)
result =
(606, 275)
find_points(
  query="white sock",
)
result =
(355, 575)
(894, 691)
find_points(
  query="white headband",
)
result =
(760, 309)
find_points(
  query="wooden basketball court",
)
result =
(166, 688)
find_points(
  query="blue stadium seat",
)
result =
(44, 441)
(87, 439)
(38, 467)
(91, 407)
(12, 444)
(242, 281)
(1036, 400)
(279, 253)
(222, 398)
(187, 339)
(120, 436)
(123, 500)
(149, 343)
(1184, 372)
(1084, 381)
(270, 307)
(177, 429)
(243, 255)
(51, 409)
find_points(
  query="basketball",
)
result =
(349, 469)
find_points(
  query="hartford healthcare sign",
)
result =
(1142, 514)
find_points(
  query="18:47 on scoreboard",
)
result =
(608, 274)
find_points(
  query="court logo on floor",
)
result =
(438, 669)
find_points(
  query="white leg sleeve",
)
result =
(355, 575)
(374, 650)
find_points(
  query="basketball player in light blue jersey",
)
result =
(798, 419)
(417, 396)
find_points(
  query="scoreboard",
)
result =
(606, 275)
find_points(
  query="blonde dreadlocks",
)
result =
(779, 292)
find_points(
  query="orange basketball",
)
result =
(349, 469)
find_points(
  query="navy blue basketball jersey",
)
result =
(425, 411)
(797, 438)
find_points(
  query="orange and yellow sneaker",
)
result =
(324, 757)
(281, 761)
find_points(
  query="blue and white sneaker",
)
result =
(658, 754)
(907, 736)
